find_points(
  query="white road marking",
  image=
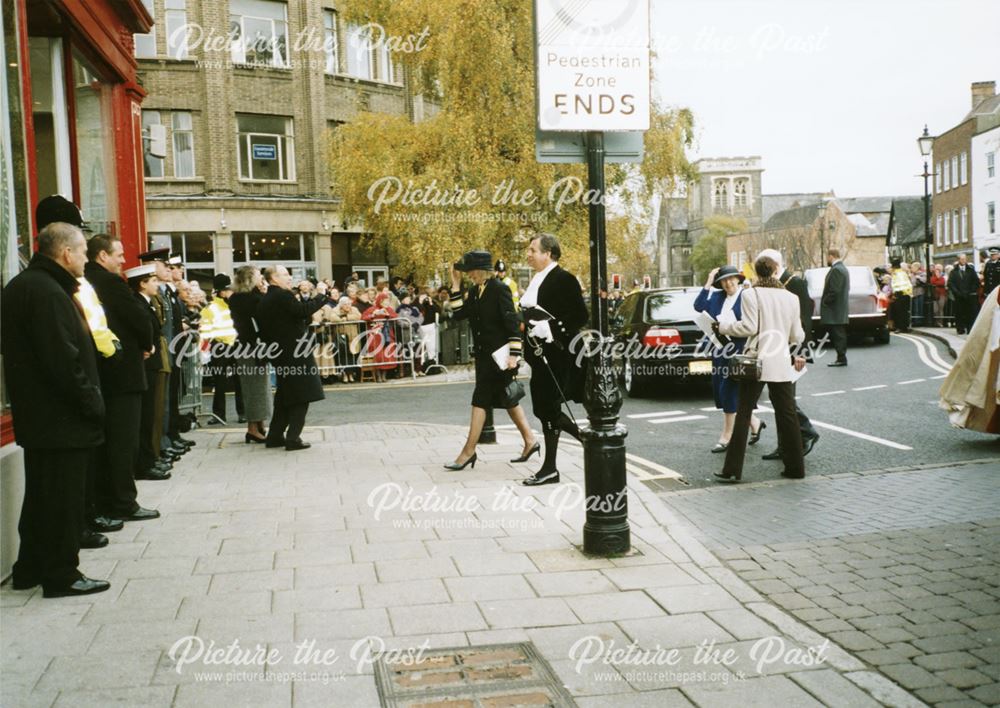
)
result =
(845, 431)
(869, 388)
(911, 381)
(939, 377)
(655, 415)
(862, 436)
(828, 393)
(678, 419)
(927, 353)
(642, 468)
(709, 408)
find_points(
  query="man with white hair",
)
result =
(796, 286)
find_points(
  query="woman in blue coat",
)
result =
(718, 303)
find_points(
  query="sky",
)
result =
(831, 95)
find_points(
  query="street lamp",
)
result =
(925, 142)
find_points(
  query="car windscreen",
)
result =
(670, 306)
(862, 280)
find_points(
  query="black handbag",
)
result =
(747, 368)
(513, 392)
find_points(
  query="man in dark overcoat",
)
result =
(283, 322)
(50, 369)
(122, 382)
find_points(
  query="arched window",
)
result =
(740, 193)
(720, 194)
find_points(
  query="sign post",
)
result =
(592, 72)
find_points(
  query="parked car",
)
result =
(656, 332)
(867, 317)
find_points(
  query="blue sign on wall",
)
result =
(264, 152)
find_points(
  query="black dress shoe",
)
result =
(92, 539)
(807, 444)
(755, 437)
(104, 524)
(788, 475)
(152, 475)
(542, 477)
(19, 582)
(253, 439)
(720, 447)
(83, 586)
(141, 514)
(242, 419)
(297, 445)
(773, 455)
(215, 421)
(837, 363)
(726, 478)
(185, 441)
(268, 442)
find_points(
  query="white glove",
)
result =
(540, 329)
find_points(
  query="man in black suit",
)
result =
(50, 370)
(833, 311)
(554, 312)
(283, 322)
(797, 286)
(122, 382)
(963, 284)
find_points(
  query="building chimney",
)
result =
(981, 90)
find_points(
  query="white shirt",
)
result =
(728, 304)
(530, 297)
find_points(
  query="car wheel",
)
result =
(634, 385)
(882, 335)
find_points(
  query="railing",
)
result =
(364, 346)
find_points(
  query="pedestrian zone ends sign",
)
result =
(592, 64)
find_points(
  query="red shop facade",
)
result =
(72, 123)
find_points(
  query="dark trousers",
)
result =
(838, 337)
(52, 516)
(900, 310)
(147, 453)
(116, 458)
(806, 428)
(965, 312)
(782, 397)
(223, 381)
(173, 413)
(288, 419)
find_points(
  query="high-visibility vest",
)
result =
(901, 284)
(217, 322)
(105, 340)
(509, 282)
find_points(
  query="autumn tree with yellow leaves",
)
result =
(466, 176)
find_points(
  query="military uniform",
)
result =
(991, 276)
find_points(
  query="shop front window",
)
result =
(95, 153)
(294, 251)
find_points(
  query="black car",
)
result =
(657, 340)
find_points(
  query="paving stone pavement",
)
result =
(281, 562)
(902, 569)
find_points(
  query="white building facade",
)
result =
(986, 190)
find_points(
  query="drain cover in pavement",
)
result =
(491, 676)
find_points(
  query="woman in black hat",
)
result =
(718, 303)
(489, 308)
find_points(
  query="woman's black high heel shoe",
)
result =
(252, 438)
(536, 448)
(455, 467)
(755, 437)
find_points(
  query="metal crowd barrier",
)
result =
(343, 347)
(189, 396)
